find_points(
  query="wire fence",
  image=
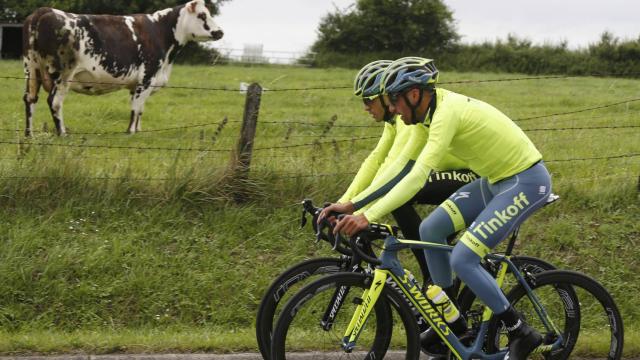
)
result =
(337, 87)
(321, 137)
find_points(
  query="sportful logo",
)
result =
(453, 175)
(461, 195)
(501, 217)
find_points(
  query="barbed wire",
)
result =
(72, 132)
(27, 156)
(599, 179)
(549, 77)
(596, 158)
(300, 176)
(619, 117)
(584, 128)
(113, 146)
(288, 122)
(318, 143)
(334, 140)
(108, 178)
(578, 111)
(333, 87)
(331, 141)
(289, 175)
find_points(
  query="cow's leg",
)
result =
(138, 98)
(30, 98)
(56, 98)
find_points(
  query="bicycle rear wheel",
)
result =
(283, 287)
(591, 327)
(300, 329)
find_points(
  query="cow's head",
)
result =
(195, 23)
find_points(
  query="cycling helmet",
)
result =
(367, 81)
(367, 85)
(409, 72)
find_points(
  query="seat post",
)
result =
(512, 241)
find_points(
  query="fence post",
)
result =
(245, 143)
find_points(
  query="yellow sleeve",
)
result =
(395, 171)
(399, 194)
(441, 131)
(371, 164)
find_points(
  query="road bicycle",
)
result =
(571, 310)
(302, 273)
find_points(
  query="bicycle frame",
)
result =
(390, 272)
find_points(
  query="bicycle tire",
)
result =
(299, 314)
(267, 311)
(585, 322)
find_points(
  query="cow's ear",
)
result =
(192, 6)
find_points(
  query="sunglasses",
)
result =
(368, 100)
(393, 98)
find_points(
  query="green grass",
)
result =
(171, 340)
(119, 249)
(183, 340)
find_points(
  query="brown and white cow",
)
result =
(97, 54)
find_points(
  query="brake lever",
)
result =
(338, 237)
(319, 229)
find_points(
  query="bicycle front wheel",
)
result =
(591, 327)
(283, 287)
(302, 327)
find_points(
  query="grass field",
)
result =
(107, 245)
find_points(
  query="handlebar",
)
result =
(324, 229)
(360, 243)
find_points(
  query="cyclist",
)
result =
(514, 182)
(395, 153)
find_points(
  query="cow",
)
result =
(98, 54)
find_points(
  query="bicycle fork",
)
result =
(360, 316)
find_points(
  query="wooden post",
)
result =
(1, 35)
(246, 141)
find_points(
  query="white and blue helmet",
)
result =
(408, 72)
(367, 81)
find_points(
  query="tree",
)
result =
(18, 10)
(398, 26)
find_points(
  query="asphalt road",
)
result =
(239, 356)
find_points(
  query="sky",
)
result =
(291, 25)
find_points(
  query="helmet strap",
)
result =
(414, 107)
(388, 116)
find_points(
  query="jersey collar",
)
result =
(431, 109)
